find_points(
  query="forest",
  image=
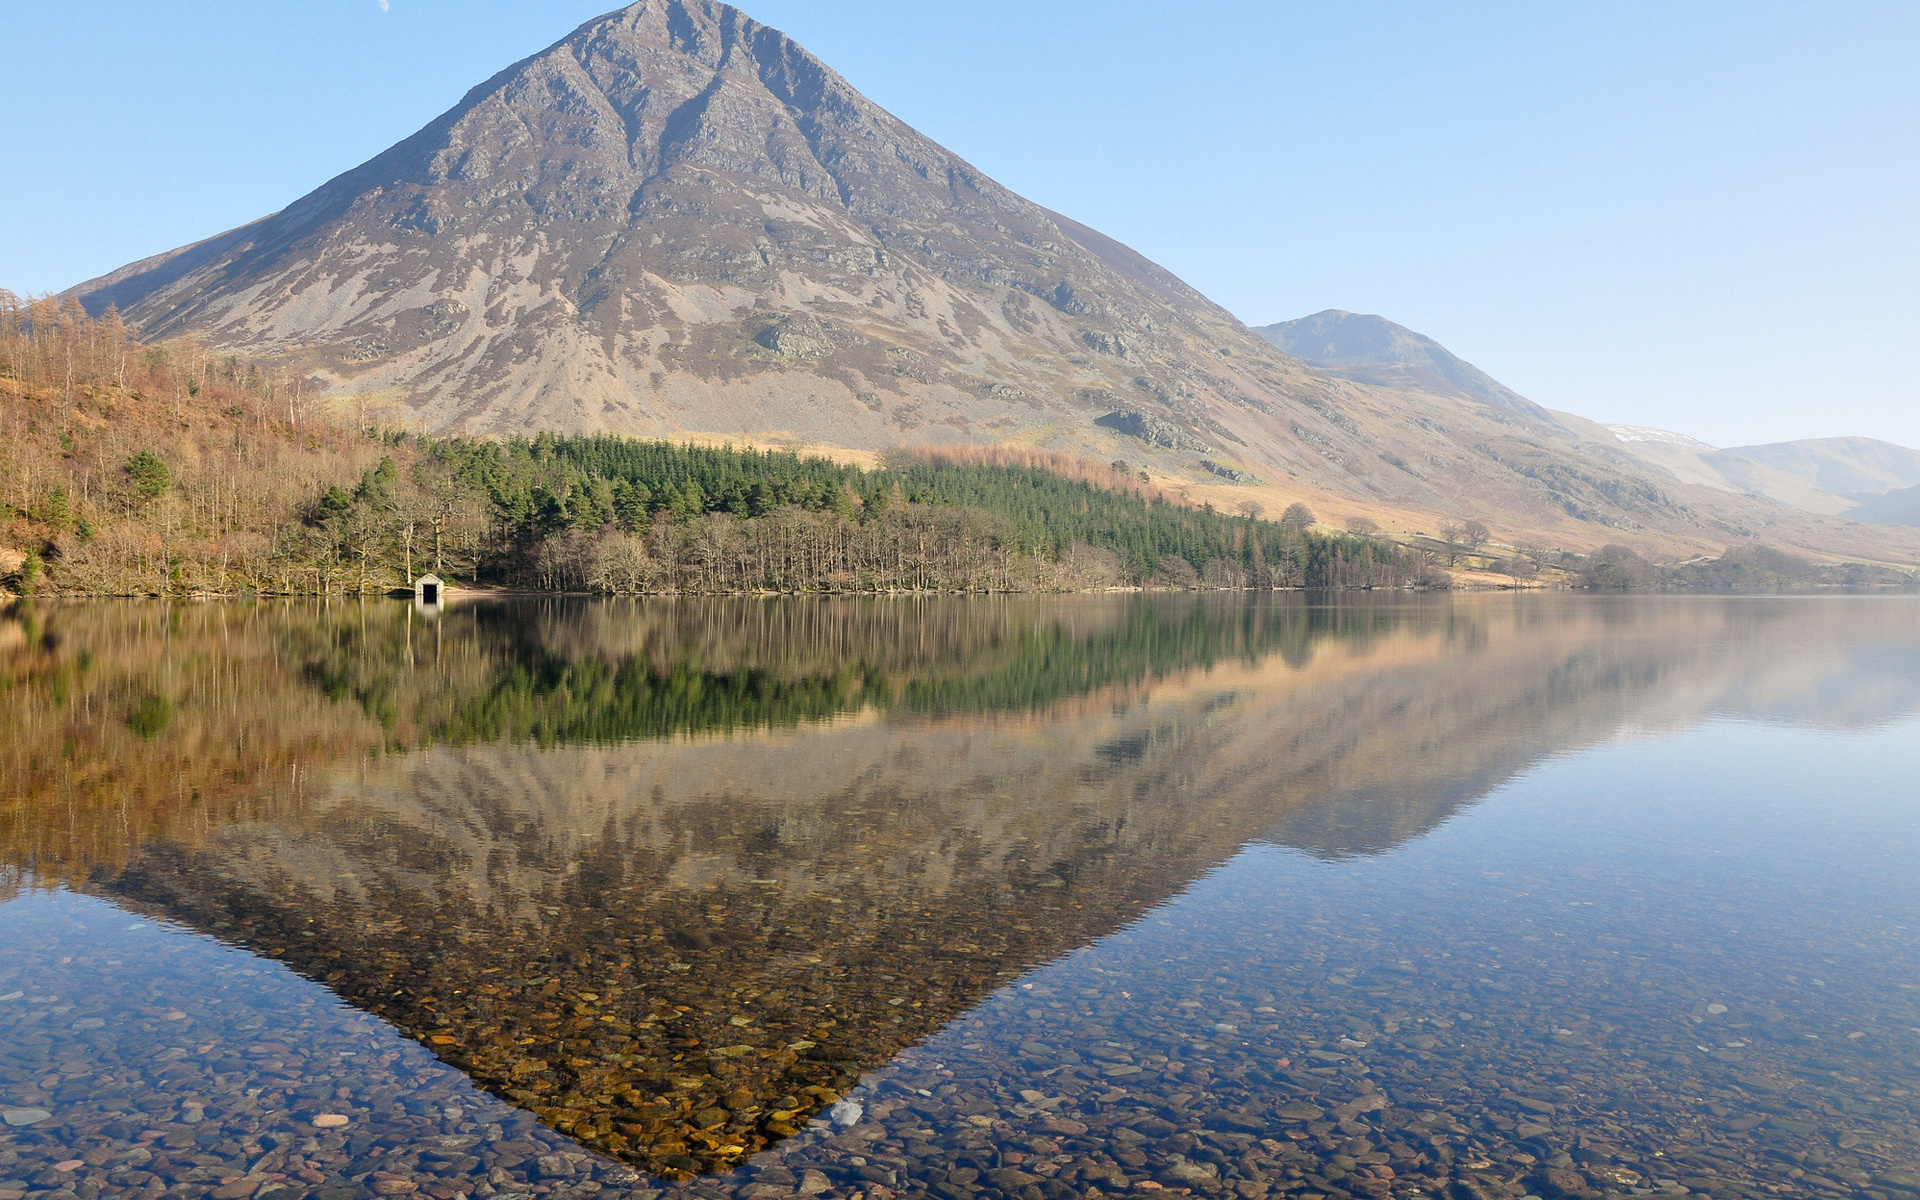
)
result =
(169, 470)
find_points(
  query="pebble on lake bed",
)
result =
(845, 1113)
(24, 1116)
(329, 1121)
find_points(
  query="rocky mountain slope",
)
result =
(676, 222)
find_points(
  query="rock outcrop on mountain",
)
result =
(676, 222)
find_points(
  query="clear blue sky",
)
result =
(1701, 216)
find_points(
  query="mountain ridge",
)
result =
(1844, 466)
(1825, 476)
(1841, 476)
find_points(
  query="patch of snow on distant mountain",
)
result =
(1643, 433)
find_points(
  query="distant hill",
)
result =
(1890, 508)
(1694, 461)
(1370, 349)
(1834, 476)
(1843, 466)
(1822, 476)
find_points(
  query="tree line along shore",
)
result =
(166, 469)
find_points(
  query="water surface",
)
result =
(1010, 898)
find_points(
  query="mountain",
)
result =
(1693, 461)
(1847, 466)
(1839, 476)
(675, 222)
(1370, 349)
(1824, 476)
(1900, 507)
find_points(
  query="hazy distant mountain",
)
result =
(676, 222)
(1900, 507)
(1372, 349)
(1692, 461)
(1846, 466)
(1821, 475)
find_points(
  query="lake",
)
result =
(1226, 896)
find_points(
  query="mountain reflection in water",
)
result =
(674, 876)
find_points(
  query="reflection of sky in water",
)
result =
(1677, 959)
(1689, 961)
(1620, 956)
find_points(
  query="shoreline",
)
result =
(453, 596)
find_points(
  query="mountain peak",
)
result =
(606, 234)
(1336, 337)
(1372, 349)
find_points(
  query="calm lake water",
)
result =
(1480, 896)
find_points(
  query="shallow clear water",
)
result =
(1467, 896)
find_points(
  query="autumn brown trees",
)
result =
(168, 469)
(130, 468)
